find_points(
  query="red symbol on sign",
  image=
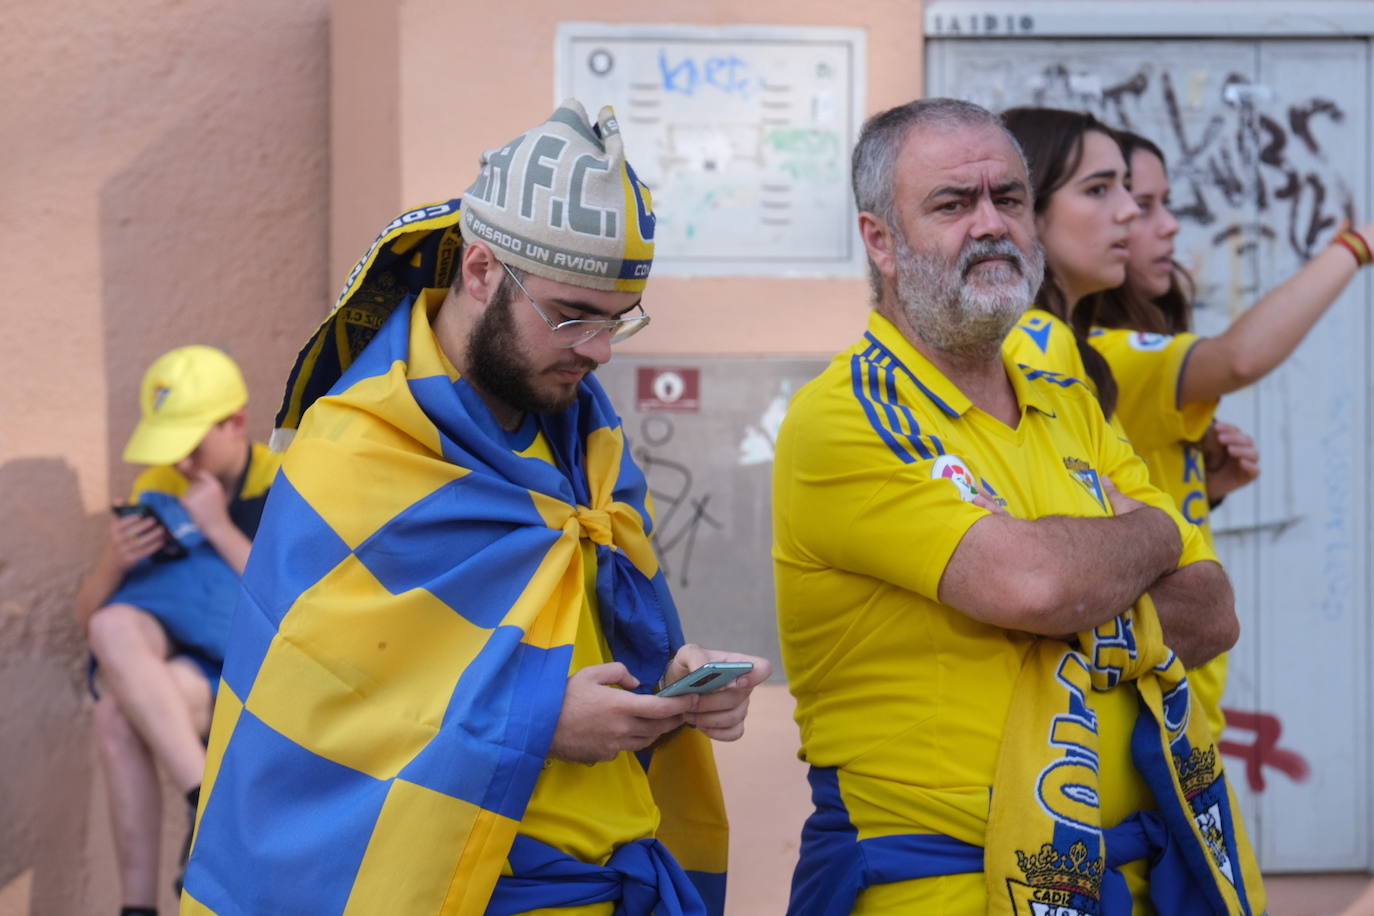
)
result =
(1264, 751)
(667, 388)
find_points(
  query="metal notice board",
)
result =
(742, 133)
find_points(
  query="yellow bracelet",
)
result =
(1356, 245)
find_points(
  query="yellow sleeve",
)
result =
(851, 503)
(1132, 478)
(1148, 370)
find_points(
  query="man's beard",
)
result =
(967, 318)
(499, 368)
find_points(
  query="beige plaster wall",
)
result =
(164, 181)
(167, 180)
(469, 82)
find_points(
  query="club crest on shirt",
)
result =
(1085, 475)
(955, 469)
(1146, 342)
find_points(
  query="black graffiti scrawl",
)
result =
(1246, 154)
(682, 510)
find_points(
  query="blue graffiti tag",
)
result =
(728, 74)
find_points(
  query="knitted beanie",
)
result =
(561, 202)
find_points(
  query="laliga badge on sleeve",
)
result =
(953, 469)
(1146, 342)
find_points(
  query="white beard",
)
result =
(962, 315)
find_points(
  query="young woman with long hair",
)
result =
(1170, 380)
(1083, 213)
(1175, 377)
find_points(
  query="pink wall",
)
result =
(164, 182)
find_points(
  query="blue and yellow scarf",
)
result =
(1046, 847)
(1046, 851)
(400, 652)
(417, 250)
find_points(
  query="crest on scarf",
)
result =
(955, 469)
(1209, 825)
(1196, 775)
(1196, 771)
(1085, 475)
(1057, 883)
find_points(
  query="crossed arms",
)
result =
(1059, 575)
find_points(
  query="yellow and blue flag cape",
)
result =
(400, 650)
(417, 250)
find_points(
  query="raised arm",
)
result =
(1271, 329)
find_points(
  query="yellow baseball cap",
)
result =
(185, 392)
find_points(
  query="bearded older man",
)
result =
(980, 597)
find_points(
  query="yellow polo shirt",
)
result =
(905, 696)
(1044, 341)
(1165, 433)
(245, 506)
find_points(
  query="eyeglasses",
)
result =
(577, 331)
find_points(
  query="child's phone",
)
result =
(709, 677)
(171, 548)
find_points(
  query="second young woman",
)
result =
(1083, 213)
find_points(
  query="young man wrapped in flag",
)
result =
(438, 696)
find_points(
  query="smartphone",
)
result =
(171, 548)
(709, 677)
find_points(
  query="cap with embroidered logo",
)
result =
(562, 202)
(185, 393)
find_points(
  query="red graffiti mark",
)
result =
(1264, 751)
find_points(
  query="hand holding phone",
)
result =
(602, 716)
(171, 548)
(709, 678)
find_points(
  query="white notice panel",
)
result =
(743, 134)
